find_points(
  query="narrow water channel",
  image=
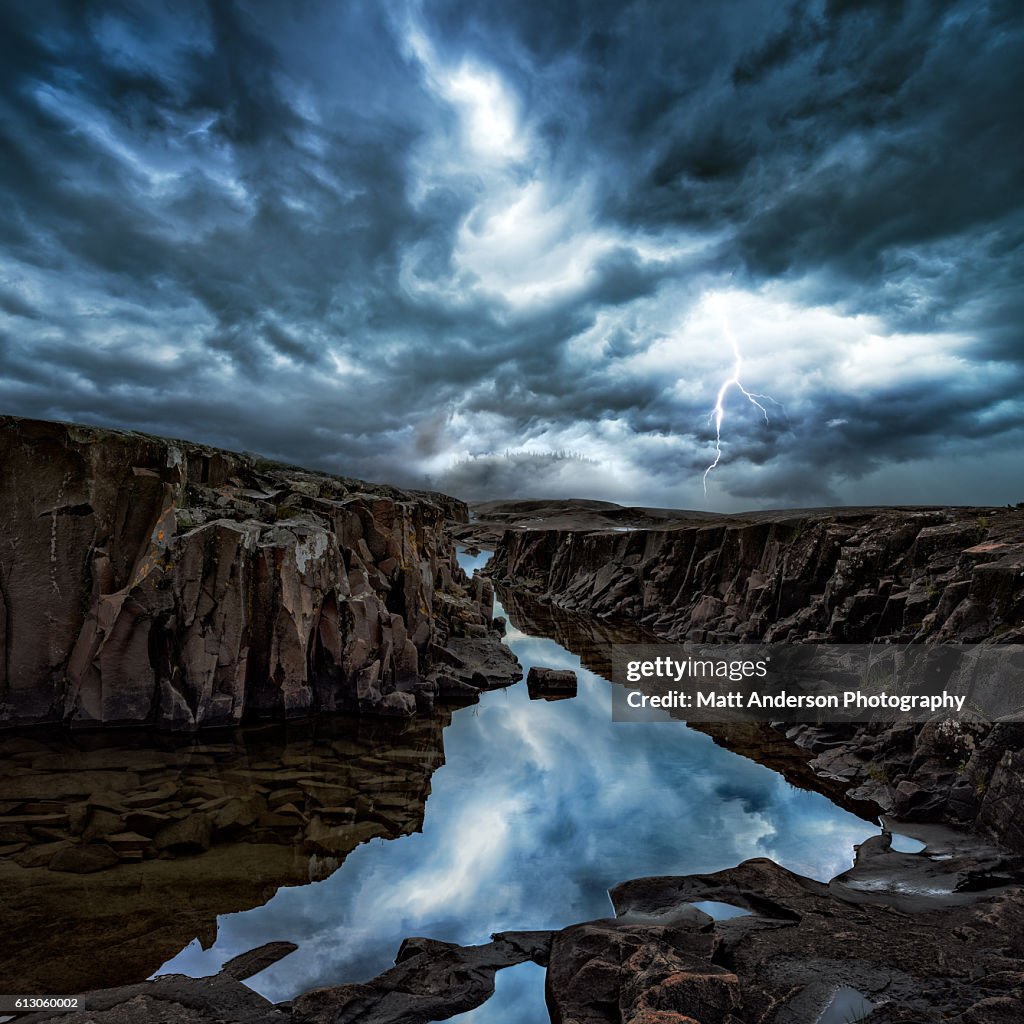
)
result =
(540, 807)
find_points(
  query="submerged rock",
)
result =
(84, 859)
(276, 804)
(177, 999)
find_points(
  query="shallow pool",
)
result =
(540, 807)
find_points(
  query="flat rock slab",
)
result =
(245, 965)
(482, 662)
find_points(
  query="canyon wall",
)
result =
(897, 575)
(840, 576)
(150, 581)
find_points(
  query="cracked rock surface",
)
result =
(159, 582)
(857, 575)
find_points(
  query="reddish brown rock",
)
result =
(162, 582)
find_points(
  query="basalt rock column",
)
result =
(159, 582)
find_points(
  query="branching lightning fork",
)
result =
(717, 414)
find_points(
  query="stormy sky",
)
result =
(520, 249)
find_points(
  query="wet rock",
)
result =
(896, 928)
(101, 823)
(482, 662)
(237, 813)
(456, 691)
(118, 925)
(430, 981)
(146, 823)
(245, 965)
(39, 856)
(189, 835)
(609, 971)
(551, 682)
(326, 837)
(174, 999)
(128, 842)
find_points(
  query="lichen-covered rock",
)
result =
(144, 580)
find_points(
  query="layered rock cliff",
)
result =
(832, 576)
(937, 575)
(150, 581)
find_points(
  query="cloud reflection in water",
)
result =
(540, 809)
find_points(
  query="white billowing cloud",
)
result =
(488, 111)
(529, 244)
(528, 239)
(452, 880)
(489, 120)
(807, 359)
(793, 353)
(876, 361)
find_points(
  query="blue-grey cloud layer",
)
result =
(401, 241)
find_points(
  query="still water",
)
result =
(540, 807)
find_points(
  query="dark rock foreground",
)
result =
(119, 847)
(158, 582)
(927, 937)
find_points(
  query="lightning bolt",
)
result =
(717, 414)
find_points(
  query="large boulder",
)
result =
(550, 683)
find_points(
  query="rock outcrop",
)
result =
(830, 576)
(550, 683)
(952, 917)
(951, 949)
(430, 981)
(149, 581)
(897, 575)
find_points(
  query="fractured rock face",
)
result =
(833, 575)
(151, 581)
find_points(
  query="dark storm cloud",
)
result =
(826, 135)
(383, 239)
